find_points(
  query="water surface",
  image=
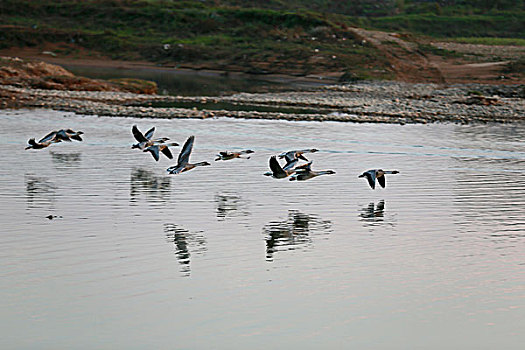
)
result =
(224, 257)
(199, 83)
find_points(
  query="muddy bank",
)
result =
(377, 102)
(41, 75)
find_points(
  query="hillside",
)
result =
(353, 39)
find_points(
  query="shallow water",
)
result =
(223, 257)
(198, 83)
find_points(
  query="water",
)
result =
(223, 257)
(198, 83)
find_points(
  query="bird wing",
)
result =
(275, 167)
(62, 135)
(154, 151)
(382, 180)
(184, 156)
(290, 165)
(304, 168)
(225, 153)
(138, 135)
(289, 156)
(167, 152)
(48, 137)
(300, 156)
(371, 177)
(149, 133)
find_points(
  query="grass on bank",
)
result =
(491, 41)
(296, 36)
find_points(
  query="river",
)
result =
(223, 257)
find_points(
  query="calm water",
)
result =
(222, 257)
(198, 83)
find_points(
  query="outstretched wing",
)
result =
(382, 180)
(289, 156)
(48, 137)
(62, 135)
(138, 135)
(149, 133)
(275, 167)
(371, 177)
(304, 168)
(154, 151)
(167, 152)
(300, 156)
(184, 156)
(291, 164)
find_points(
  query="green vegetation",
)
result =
(492, 41)
(295, 36)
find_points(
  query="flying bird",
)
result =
(183, 163)
(145, 140)
(379, 174)
(277, 171)
(296, 154)
(304, 172)
(44, 142)
(227, 155)
(164, 148)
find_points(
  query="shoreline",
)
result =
(369, 101)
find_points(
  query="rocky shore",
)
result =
(375, 102)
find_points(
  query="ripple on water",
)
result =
(438, 252)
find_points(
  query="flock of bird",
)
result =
(146, 143)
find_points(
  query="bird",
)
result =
(184, 157)
(277, 171)
(379, 174)
(44, 142)
(145, 141)
(227, 155)
(68, 134)
(296, 154)
(305, 172)
(155, 149)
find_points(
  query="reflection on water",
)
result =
(39, 191)
(129, 234)
(155, 188)
(184, 243)
(374, 214)
(69, 159)
(230, 205)
(293, 232)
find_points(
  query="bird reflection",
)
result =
(229, 205)
(184, 243)
(155, 188)
(374, 214)
(39, 191)
(294, 232)
(71, 159)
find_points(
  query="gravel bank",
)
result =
(376, 102)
